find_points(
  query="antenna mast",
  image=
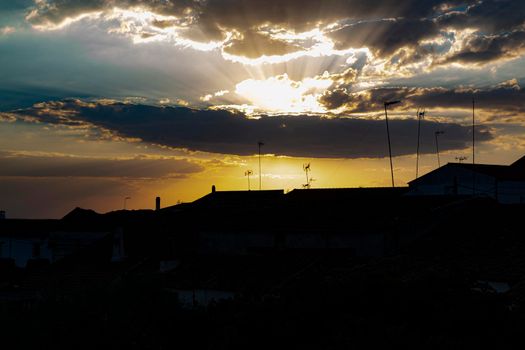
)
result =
(260, 143)
(306, 168)
(388, 103)
(420, 115)
(473, 147)
(437, 133)
(247, 173)
(473, 133)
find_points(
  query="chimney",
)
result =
(213, 189)
(157, 203)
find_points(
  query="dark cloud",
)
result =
(384, 26)
(335, 98)
(245, 14)
(487, 48)
(366, 101)
(487, 16)
(225, 132)
(507, 96)
(210, 20)
(306, 14)
(61, 166)
(254, 45)
(384, 36)
(498, 26)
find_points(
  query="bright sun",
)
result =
(281, 94)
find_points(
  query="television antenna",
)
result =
(309, 185)
(260, 144)
(307, 169)
(247, 173)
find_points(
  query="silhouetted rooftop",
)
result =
(81, 214)
(236, 198)
(513, 172)
(323, 194)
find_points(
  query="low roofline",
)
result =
(468, 166)
(430, 172)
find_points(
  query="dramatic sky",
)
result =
(106, 99)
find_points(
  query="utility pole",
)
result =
(420, 115)
(388, 136)
(473, 134)
(260, 143)
(473, 147)
(437, 133)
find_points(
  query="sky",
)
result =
(106, 99)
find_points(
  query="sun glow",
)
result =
(314, 43)
(281, 94)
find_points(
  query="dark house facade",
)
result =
(504, 183)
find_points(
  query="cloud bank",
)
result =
(20, 165)
(505, 97)
(225, 132)
(477, 32)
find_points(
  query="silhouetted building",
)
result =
(363, 221)
(27, 241)
(505, 183)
